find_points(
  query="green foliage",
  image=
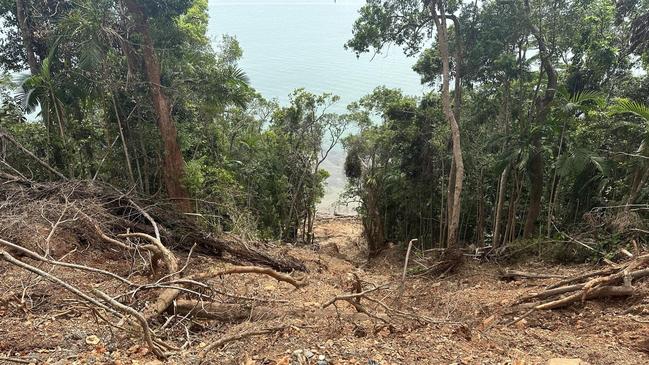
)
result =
(398, 164)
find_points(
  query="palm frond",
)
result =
(234, 73)
(623, 106)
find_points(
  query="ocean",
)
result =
(290, 44)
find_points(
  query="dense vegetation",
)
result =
(551, 98)
(537, 123)
(132, 93)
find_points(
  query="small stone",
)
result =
(92, 340)
(565, 361)
(308, 353)
(322, 357)
(521, 324)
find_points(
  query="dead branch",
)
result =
(348, 297)
(566, 289)
(10, 138)
(168, 295)
(18, 360)
(355, 300)
(254, 270)
(7, 257)
(220, 312)
(574, 279)
(405, 264)
(515, 275)
(35, 256)
(146, 331)
(599, 292)
(224, 340)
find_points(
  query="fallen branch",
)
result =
(35, 256)
(253, 270)
(599, 292)
(18, 360)
(219, 312)
(224, 340)
(10, 138)
(566, 289)
(574, 279)
(348, 297)
(146, 331)
(7, 257)
(515, 275)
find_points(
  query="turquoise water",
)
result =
(288, 44)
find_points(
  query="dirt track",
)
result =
(52, 326)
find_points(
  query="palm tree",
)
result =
(42, 90)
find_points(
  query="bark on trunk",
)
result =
(480, 214)
(499, 206)
(127, 158)
(373, 226)
(442, 43)
(26, 34)
(536, 164)
(173, 164)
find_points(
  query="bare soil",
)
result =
(41, 323)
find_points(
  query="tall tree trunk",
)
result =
(442, 210)
(480, 213)
(442, 43)
(553, 187)
(639, 181)
(127, 158)
(374, 225)
(450, 195)
(502, 187)
(535, 173)
(22, 17)
(536, 164)
(502, 183)
(174, 166)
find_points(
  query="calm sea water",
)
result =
(288, 44)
